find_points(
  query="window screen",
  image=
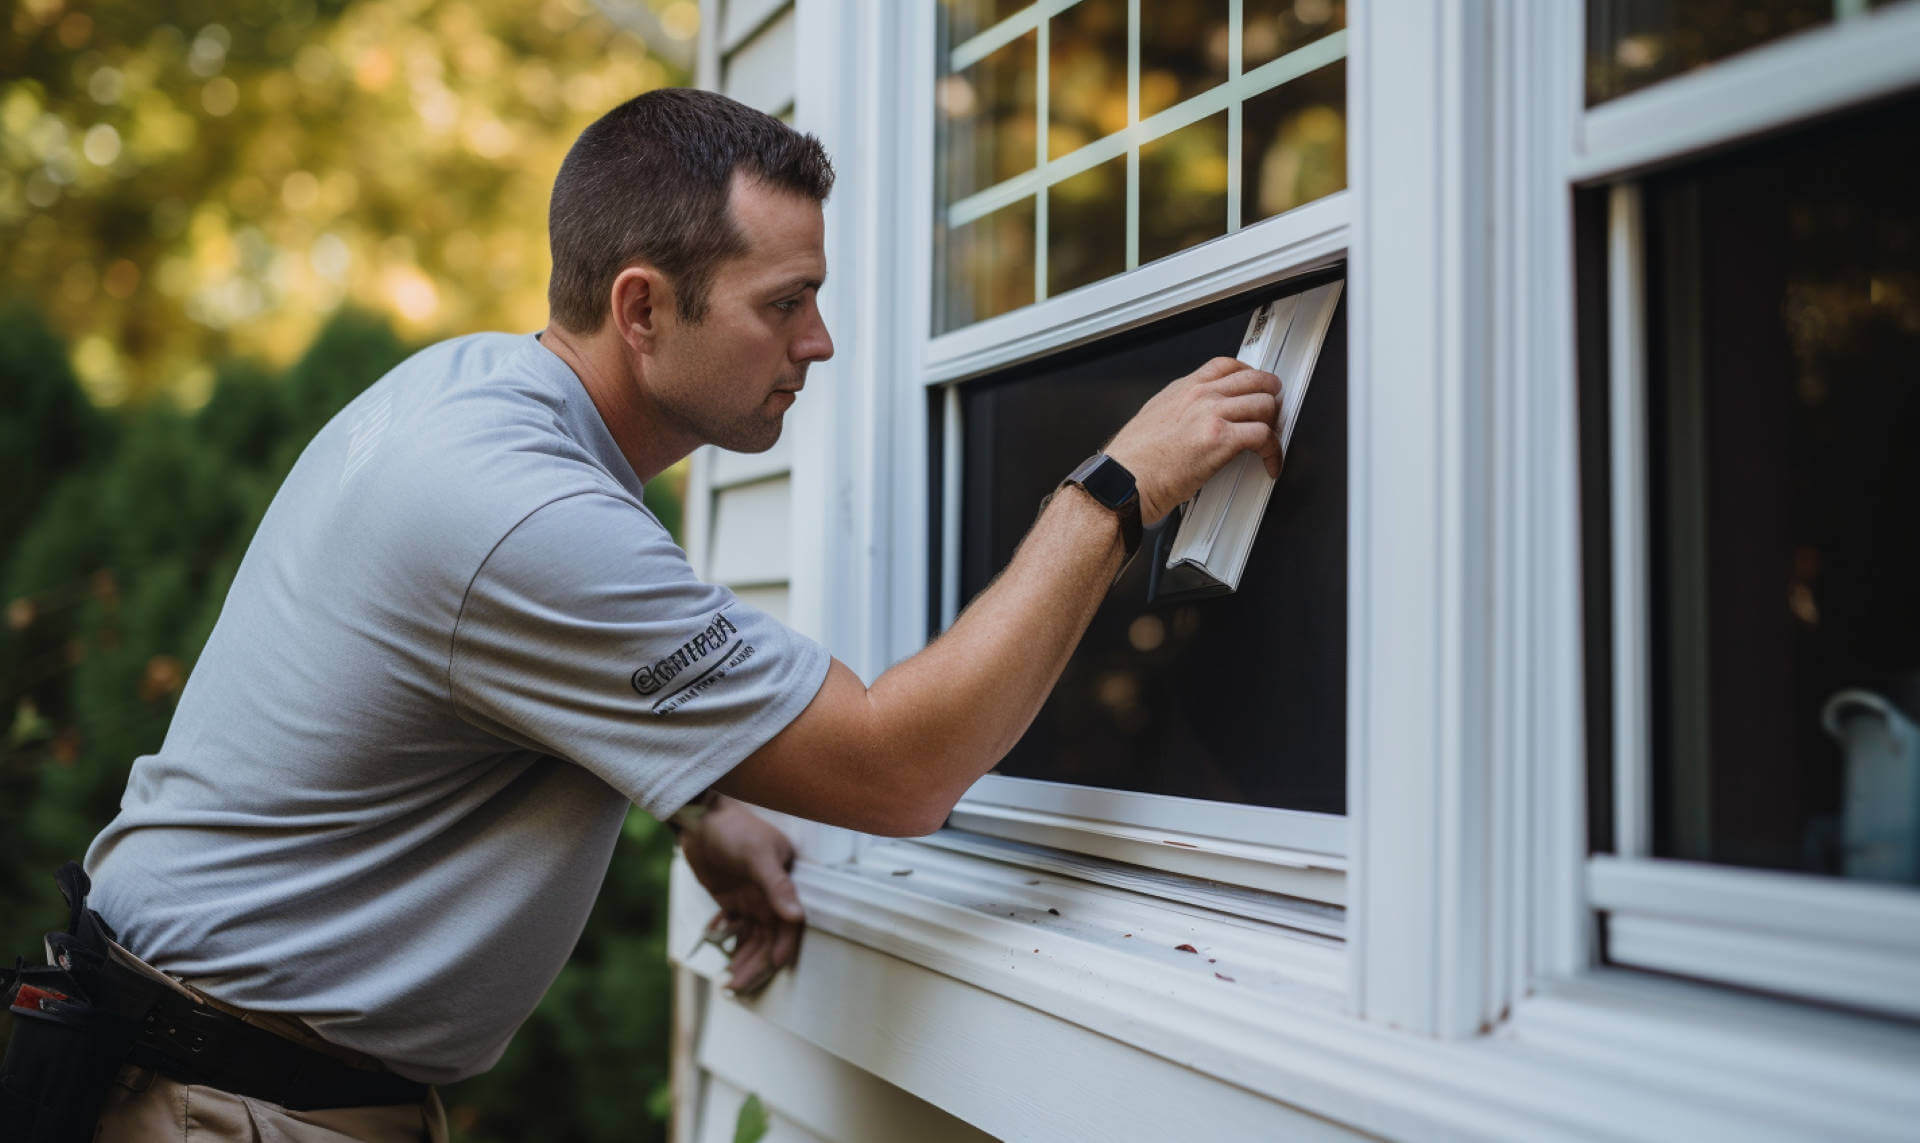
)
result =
(1240, 698)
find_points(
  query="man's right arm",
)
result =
(893, 758)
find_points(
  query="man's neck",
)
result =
(645, 433)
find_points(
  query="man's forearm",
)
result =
(958, 706)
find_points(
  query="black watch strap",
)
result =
(1112, 486)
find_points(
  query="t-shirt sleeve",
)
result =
(586, 635)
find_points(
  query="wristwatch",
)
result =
(1111, 485)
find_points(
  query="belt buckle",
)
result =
(193, 1039)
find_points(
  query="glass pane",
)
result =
(1183, 188)
(1294, 149)
(987, 267)
(1784, 437)
(1275, 27)
(987, 119)
(966, 18)
(1240, 698)
(1087, 226)
(1633, 43)
(1086, 75)
(1183, 52)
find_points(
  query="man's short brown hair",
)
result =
(648, 182)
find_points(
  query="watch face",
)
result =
(1110, 482)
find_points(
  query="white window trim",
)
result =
(1302, 240)
(1160, 1035)
(1765, 88)
(1469, 906)
(1794, 934)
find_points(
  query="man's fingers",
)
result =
(750, 960)
(1256, 438)
(1255, 408)
(769, 870)
(786, 941)
(1245, 380)
(1217, 368)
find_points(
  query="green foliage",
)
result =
(751, 1126)
(111, 579)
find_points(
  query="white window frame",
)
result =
(1291, 852)
(1472, 1004)
(1819, 938)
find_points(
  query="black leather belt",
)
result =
(197, 1043)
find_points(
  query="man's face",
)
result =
(731, 379)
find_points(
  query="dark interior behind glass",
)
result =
(1784, 444)
(1240, 698)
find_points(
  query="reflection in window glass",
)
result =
(1182, 176)
(966, 18)
(987, 265)
(1276, 27)
(1183, 188)
(1633, 43)
(1240, 698)
(987, 119)
(1295, 145)
(1086, 75)
(1784, 438)
(1183, 51)
(1087, 226)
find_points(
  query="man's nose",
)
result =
(816, 344)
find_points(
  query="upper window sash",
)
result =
(1858, 58)
(1311, 237)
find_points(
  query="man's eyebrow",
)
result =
(792, 284)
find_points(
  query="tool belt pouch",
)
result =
(65, 1050)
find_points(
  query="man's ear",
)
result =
(640, 297)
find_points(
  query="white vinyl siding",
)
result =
(739, 533)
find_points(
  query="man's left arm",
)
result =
(745, 864)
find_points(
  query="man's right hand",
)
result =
(1193, 427)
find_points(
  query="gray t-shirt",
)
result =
(458, 647)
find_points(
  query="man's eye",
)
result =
(787, 306)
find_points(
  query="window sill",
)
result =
(972, 995)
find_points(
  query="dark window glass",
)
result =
(1183, 52)
(966, 18)
(1294, 147)
(1086, 75)
(1784, 445)
(1276, 27)
(1240, 698)
(1087, 226)
(986, 266)
(1596, 508)
(986, 119)
(1183, 188)
(1634, 43)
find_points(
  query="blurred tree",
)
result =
(186, 180)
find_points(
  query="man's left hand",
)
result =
(743, 862)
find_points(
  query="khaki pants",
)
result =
(144, 1105)
(148, 1108)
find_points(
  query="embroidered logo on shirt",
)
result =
(648, 680)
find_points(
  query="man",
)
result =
(459, 647)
